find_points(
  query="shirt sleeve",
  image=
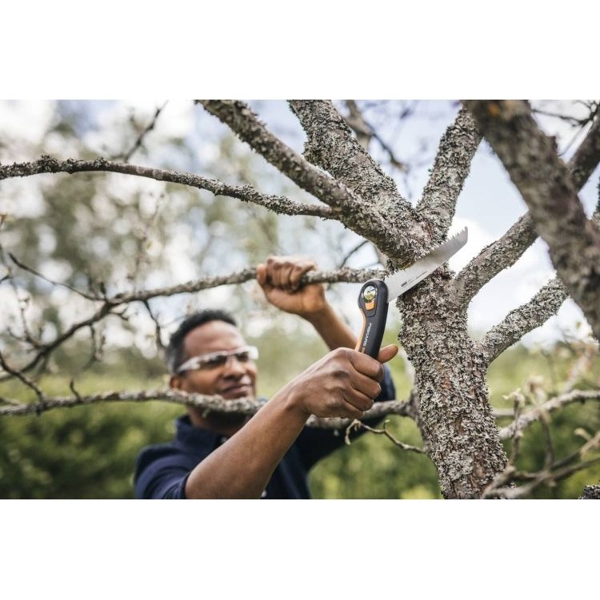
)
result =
(161, 474)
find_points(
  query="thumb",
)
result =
(386, 354)
(261, 274)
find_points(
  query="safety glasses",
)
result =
(216, 360)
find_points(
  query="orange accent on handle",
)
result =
(362, 332)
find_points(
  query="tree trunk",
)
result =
(454, 413)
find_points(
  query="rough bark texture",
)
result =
(505, 252)
(331, 146)
(246, 193)
(524, 319)
(348, 207)
(450, 170)
(455, 416)
(545, 184)
(590, 492)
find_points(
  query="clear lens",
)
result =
(216, 360)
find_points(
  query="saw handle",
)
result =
(373, 303)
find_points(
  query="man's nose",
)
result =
(234, 365)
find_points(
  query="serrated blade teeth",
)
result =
(404, 280)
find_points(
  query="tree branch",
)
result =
(241, 406)
(450, 170)
(348, 208)
(545, 184)
(246, 193)
(534, 414)
(524, 319)
(331, 145)
(493, 259)
(356, 425)
(112, 303)
(505, 252)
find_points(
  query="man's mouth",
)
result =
(239, 390)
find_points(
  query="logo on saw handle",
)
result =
(369, 295)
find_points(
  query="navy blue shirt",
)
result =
(162, 469)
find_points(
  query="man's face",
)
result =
(233, 380)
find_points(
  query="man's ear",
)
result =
(175, 382)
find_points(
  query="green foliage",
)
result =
(538, 375)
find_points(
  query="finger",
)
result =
(359, 400)
(261, 274)
(366, 365)
(285, 274)
(275, 268)
(300, 269)
(365, 386)
(349, 411)
(386, 354)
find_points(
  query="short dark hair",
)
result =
(175, 349)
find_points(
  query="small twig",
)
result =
(51, 281)
(138, 143)
(157, 326)
(352, 252)
(356, 425)
(75, 392)
(37, 407)
(531, 416)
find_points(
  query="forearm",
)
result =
(334, 332)
(242, 467)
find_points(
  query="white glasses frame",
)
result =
(202, 361)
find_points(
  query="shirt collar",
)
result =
(198, 438)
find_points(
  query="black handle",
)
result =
(373, 303)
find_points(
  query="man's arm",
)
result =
(341, 384)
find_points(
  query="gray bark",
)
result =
(590, 492)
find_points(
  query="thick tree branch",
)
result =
(244, 406)
(450, 170)
(524, 319)
(493, 259)
(527, 317)
(545, 184)
(351, 210)
(246, 193)
(505, 252)
(331, 146)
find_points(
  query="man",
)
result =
(217, 455)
